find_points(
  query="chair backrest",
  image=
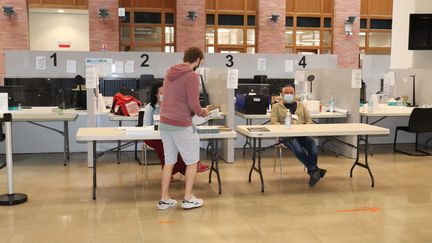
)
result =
(421, 120)
(140, 119)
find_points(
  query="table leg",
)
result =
(259, 165)
(366, 163)
(248, 140)
(66, 149)
(119, 147)
(94, 170)
(253, 159)
(215, 164)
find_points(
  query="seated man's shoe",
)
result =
(314, 178)
(201, 167)
(322, 172)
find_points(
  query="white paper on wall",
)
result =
(261, 64)
(91, 76)
(71, 66)
(356, 79)
(232, 79)
(391, 78)
(40, 63)
(4, 106)
(118, 67)
(299, 77)
(129, 66)
(289, 66)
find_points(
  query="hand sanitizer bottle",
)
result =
(288, 119)
(331, 103)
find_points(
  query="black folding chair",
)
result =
(420, 121)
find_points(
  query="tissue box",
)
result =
(313, 106)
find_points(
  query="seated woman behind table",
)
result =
(304, 148)
(151, 109)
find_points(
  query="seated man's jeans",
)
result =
(305, 149)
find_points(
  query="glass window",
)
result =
(251, 50)
(326, 38)
(147, 48)
(210, 49)
(379, 39)
(227, 19)
(326, 51)
(289, 37)
(210, 19)
(308, 38)
(251, 20)
(289, 21)
(126, 18)
(289, 50)
(230, 36)
(210, 36)
(314, 22)
(148, 34)
(362, 39)
(147, 18)
(125, 33)
(384, 24)
(363, 23)
(251, 36)
(169, 35)
(169, 18)
(169, 48)
(327, 22)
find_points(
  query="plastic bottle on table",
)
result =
(288, 119)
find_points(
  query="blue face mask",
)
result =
(289, 98)
(161, 98)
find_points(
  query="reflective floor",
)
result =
(338, 209)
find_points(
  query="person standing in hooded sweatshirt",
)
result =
(181, 102)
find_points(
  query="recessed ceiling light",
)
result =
(60, 11)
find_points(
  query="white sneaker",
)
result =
(192, 203)
(162, 205)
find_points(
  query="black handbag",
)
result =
(204, 97)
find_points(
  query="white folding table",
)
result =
(315, 130)
(44, 114)
(250, 117)
(98, 134)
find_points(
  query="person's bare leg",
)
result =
(166, 179)
(191, 171)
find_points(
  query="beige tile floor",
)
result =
(60, 208)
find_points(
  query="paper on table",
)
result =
(118, 66)
(232, 79)
(356, 79)
(289, 66)
(299, 77)
(342, 111)
(129, 66)
(261, 64)
(71, 66)
(137, 130)
(40, 62)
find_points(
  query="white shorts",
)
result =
(186, 142)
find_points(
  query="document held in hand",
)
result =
(197, 120)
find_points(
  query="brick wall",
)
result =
(190, 33)
(13, 32)
(271, 36)
(104, 32)
(346, 47)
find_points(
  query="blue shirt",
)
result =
(149, 111)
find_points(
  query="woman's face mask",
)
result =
(289, 98)
(160, 98)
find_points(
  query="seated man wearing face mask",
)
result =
(304, 148)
